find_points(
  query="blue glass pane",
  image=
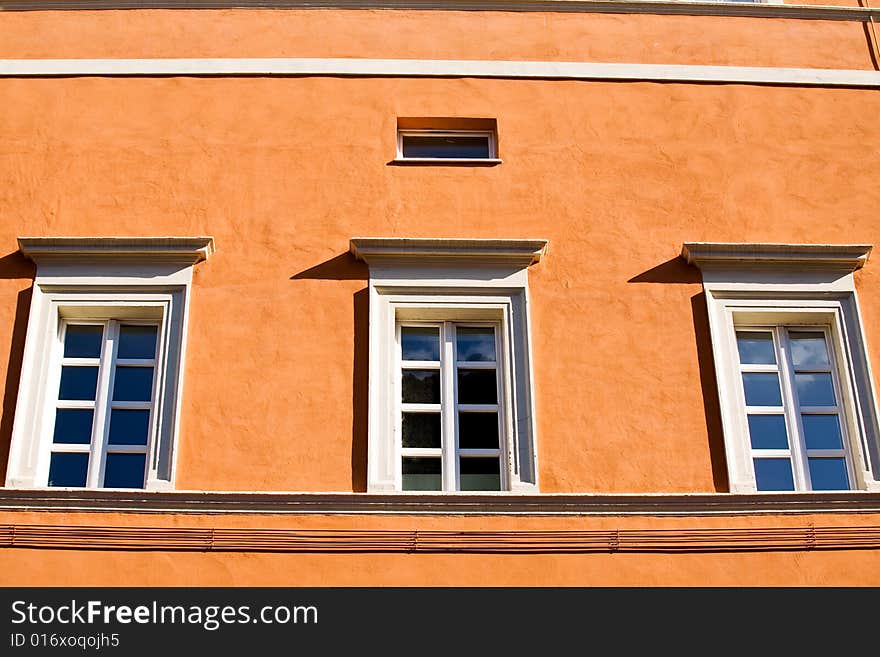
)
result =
(477, 387)
(78, 382)
(479, 474)
(475, 344)
(773, 474)
(422, 474)
(137, 342)
(762, 389)
(755, 347)
(822, 431)
(83, 341)
(133, 384)
(421, 430)
(73, 426)
(808, 348)
(454, 147)
(68, 469)
(421, 386)
(768, 432)
(129, 427)
(828, 474)
(814, 389)
(124, 471)
(478, 430)
(420, 343)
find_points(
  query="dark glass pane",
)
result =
(66, 469)
(477, 387)
(124, 470)
(73, 426)
(762, 389)
(828, 474)
(478, 430)
(475, 344)
(454, 147)
(822, 432)
(421, 386)
(755, 347)
(133, 384)
(78, 382)
(421, 473)
(129, 427)
(421, 430)
(768, 432)
(773, 474)
(420, 343)
(814, 389)
(137, 342)
(83, 341)
(480, 474)
(808, 348)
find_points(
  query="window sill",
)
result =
(452, 161)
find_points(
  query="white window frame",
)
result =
(489, 134)
(454, 280)
(103, 279)
(792, 286)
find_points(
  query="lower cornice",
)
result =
(195, 502)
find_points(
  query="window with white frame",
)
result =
(450, 396)
(447, 140)
(797, 399)
(99, 396)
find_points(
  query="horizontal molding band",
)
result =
(192, 502)
(657, 7)
(421, 68)
(71, 537)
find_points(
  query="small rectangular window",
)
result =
(448, 140)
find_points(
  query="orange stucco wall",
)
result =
(283, 171)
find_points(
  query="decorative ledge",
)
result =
(847, 257)
(177, 249)
(437, 504)
(426, 250)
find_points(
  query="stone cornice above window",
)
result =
(517, 252)
(187, 250)
(840, 257)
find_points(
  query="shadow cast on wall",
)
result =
(677, 271)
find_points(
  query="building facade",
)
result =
(522, 293)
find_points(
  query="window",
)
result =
(99, 396)
(450, 402)
(447, 141)
(798, 406)
(450, 398)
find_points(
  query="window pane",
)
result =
(129, 427)
(477, 387)
(73, 426)
(755, 347)
(814, 389)
(421, 474)
(421, 386)
(420, 343)
(808, 348)
(828, 474)
(78, 382)
(68, 469)
(421, 430)
(137, 342)
(133, 384)
(768, 432)
(124, 471)
(762, 389)
(83, 341)
(478, 430)
(773, 474)
(822, 431)
(480, 474)
(426, 146)
(475, 344)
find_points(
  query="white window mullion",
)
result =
(103, 401)
(793, 420)
(448, 397)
